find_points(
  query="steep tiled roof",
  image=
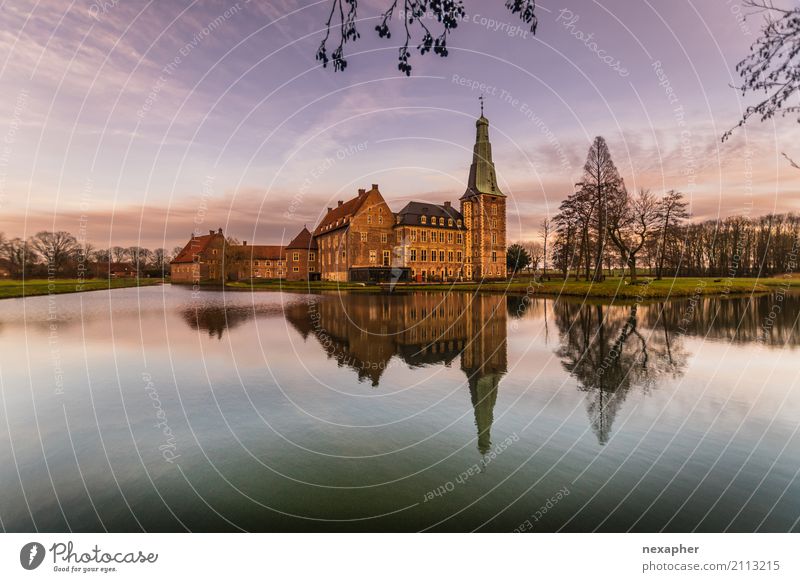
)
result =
(195, 246)
(413, 210)
(272, 252)
(340, 216)
(304, 240)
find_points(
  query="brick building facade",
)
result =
(362, 239)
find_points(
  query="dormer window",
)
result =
(458, 223)
(423, 220)
(441, 221)
(449, 222)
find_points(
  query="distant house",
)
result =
(112, 270)
(202, 259)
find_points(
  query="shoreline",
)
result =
(16, 289)
(611, 288)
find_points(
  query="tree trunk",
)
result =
(632, 267)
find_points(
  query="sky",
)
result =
(134, 122)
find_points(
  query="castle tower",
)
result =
(483, 206)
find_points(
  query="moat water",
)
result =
(158, 409)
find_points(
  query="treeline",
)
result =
(602, 228)
(60, 254)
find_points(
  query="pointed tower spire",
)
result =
(482, 176)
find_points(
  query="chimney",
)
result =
(210, 232)
(447, 204)
(244, 243)
(220, 230)
(374, 186)
(329, 208)
(341, 202)
(361, 191)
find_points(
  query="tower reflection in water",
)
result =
(366, 332)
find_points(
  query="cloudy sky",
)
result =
(137, 122)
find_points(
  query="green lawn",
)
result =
(610, 288)
(15, 288)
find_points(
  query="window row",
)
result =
(422, 255)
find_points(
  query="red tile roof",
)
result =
(195, 246)
(340, 216)
(271, 252)
(303, 241)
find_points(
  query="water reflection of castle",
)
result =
(368, 332)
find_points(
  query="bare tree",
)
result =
(56, 248)
(17, 252)
(601, 180)
(630, 222)
(672, 211)
(118, 253)
(547, 227)
(770, 69)
(160, 259)
(342, 21)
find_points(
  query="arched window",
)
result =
(423, 220)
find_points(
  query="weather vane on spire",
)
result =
(481, 100)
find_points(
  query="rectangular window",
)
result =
(494, 256)
(460, 238)
(413, 236)
(449, 237)
(424, 255)
(344, 254)
(494, 238)
(373, 256)
(296, 269)
(311, 256)
(385, 258)
(363, 237)
(311, 269)
(450, 256)
(494, 209)
(424, 236)
(441, 256)
(441, 237)
(413, 254)
(458, 256)
(384, 237)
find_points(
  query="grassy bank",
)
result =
(14, 288)
(610, 288)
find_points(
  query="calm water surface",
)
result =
(153, 409)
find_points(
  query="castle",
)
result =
(362, 239)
